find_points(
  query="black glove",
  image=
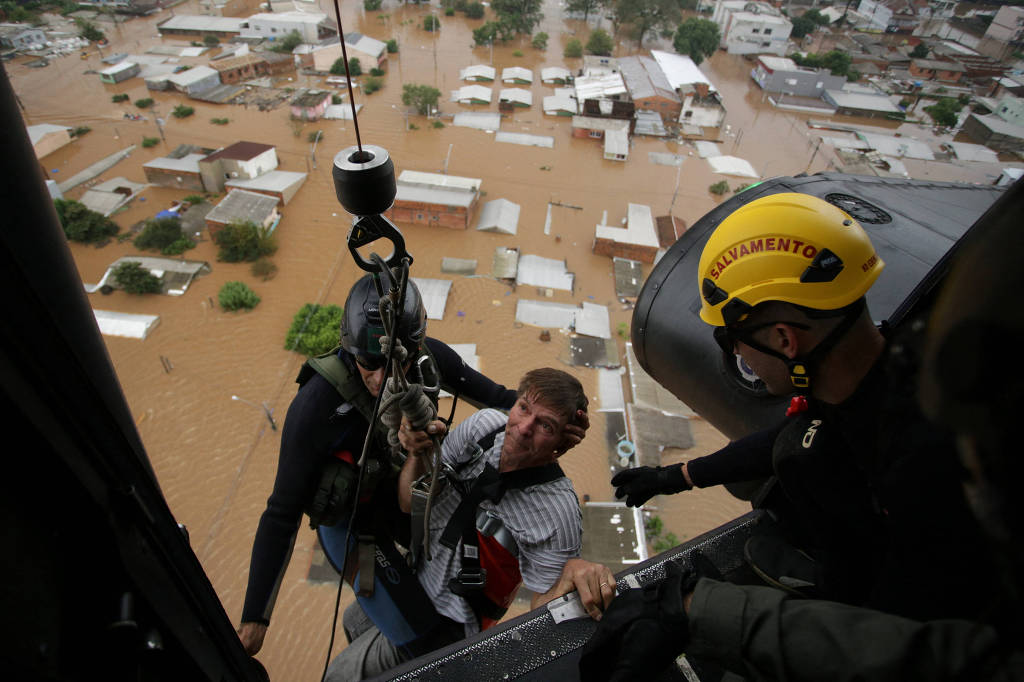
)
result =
(642, 632)
(641, 484)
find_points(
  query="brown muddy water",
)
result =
(215, 458)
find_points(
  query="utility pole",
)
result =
(266, 410)
(679, 169)
(813, 154)
(447, 158)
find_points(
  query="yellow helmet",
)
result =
(787, 247)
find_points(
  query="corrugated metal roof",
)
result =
(596, 87)
(609, 390)
(516, 73)
(706, 149)
(616, 143)
(441, 197)
(545, 313)
(470, 93)
(477, 72)
(188, 164)
(593, 320)
(645, 78)
(193, 75)
(732, 165)
(196, 22)
(680, 70)
(525, 139)
(439, 181)
(639, 228)
(271, 181)
(516, 96)
(500, 215)
(365, 44)
(434, 293)
(125, 325)
(554, 73)
(482, 120)
(544, 272)
(505, 263)
(857, 100)
(242, 205)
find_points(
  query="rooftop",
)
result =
(240, 151)
(680, 70)
(242, 205)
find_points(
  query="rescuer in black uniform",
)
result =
(766, 634)
(322, 439)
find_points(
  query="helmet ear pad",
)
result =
(362, 324)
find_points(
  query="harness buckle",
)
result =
(472, 578)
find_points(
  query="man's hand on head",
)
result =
(574, 432)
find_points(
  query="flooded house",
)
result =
(637, 241)
(478, 73)
(279, 184)
(310, 105)
(516, 75)
(194, 81)
(555, 75)
(435, 199)
(369, 52)
(179, 173)
(241, 160)
(781, 74)
(936, 70)
(21, 37)
(702, 106)
(120, 72)
(313, 27)
(995, 133)
(47, 138)
(200, 26)
(243, 68)
(499, 215)
(857, 102)
(562, 103)
(472, 94)
(512, 98)
(752, 27)
(649, 88)
(242, 206)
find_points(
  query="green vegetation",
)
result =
(654, 527)
(336, 99)
(164, 235)
(437, 124)
(622, 329)
(243, 241)
(82, 224)
(373, 84)
(314, 329)
(475, 10)
(123, 97)
(288, 43)
(449, 12)
(431, 23)
(182, 111)
(600, 43)
(838, 63)
(355, 68)
(801, 27)
(647, 16)
(587, 7)
(392, 46)
(372, 5)
(314, 136)
(148, 142)
(338, 67)
(422, 98)
(194, 199)
(237, 296)
(263, 268)
(719, 188)
(211, 41)
(920, 51)
(697, 39)
(79, 131)
(135, 279)
(220, 121)
(521, 16)
(573, 49)
(540, 41)
(815, 15)
(944, 112)
(740, 188)
(144, 103)
(89, 30)
(377, 72)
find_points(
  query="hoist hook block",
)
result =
(364, 180)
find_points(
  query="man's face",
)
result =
(533, 433)
(770, 370)
(373, 371)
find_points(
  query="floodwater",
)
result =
(215, 458)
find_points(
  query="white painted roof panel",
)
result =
(543, 272)
(435, 295)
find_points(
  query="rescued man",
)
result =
(506, 508)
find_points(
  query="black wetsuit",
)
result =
(875, 489)
(314, 429)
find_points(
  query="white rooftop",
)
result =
(550, 73)
(477, 71)
(40, 130)
(778, 63)
(193, 75)
(274, 180)
(616, 142)
(562, 100)
(706, 149)
(439, 180)
(544, 272)
(888, 145)
(313, 18)
(973, 152)
(516, 96)
(125, 324)
(197, 22)
(732, 165)
(595, 87)
(609, 390)
(680, 70)
(365, 44)
(593, 320)
(545, 313)
(118, 68)
(514, 73)
(639, 228)
(469, 93)
(481, 120)
(189, 163)
(434, 293)
(525, 139)
(499, 215)
(856, 100)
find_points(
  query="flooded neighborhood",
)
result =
(555, 176)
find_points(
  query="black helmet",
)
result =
(362, 327)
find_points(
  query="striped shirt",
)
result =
(544, 519)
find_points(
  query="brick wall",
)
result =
(607, 247)
(420, 213)
(169, 178)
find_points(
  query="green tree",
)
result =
(423, 98)
(540, 41)
(584, 7)
(372, 5)
(135, 279)
(82, 224)
(160, 233)
(89, 30)
(431, 23)
(815, 15)
(944, 112)
(182, 111)
(338, 67)
(920, 51)
(645, 16)
(475, 10)
(243, 240)
(573, 49)
(696, 38)
(144, 103)
(288, 43)
(392, 46)
(314, 329)
(600, 43)
(521, 15)
(719, 188)
(123, 97)
(802, 26)
(373, 84)
(264, 268)
(237, 296)
(211, 41)
(148, 142)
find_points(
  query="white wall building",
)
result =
(312, 26)
(752, 27)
